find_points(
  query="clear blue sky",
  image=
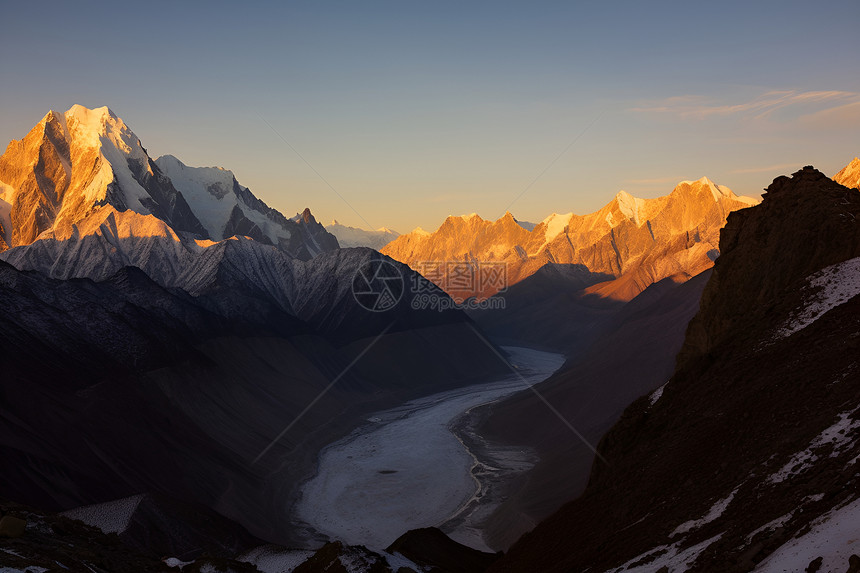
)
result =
(416, 110)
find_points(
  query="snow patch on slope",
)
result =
(657, 394)
(210, 194)
(832, 536)
(838, 436)
(630, 206)
(670, 557)
(29, 569)
(555, 225)
(208, 191)
(111, 516)
(771, 525)
(714, 513)
(833, 286)
(275, 559)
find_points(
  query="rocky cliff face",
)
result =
(767, 253)
(746, 458)
(73, 164)
(642, 240)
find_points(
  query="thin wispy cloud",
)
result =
(760, 107)
(843, 116)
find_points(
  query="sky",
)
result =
(399, 114)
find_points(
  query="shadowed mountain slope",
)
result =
(746, 459)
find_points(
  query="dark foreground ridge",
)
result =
(754, 437)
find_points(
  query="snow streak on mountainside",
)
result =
(644, 239)
(353, 237)
(73, 164)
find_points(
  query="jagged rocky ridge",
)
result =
(229, 209)
(746, 459)
(636, 242)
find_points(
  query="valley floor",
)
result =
(406, 468)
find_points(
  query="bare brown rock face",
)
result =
(34, 167)
(746, 283)
(644, 240)
(70, 164)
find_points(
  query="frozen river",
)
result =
(406, 469)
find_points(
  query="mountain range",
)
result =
(634, 242)
(141, 341)
(175, 355)
(85, 160)
(745, 460)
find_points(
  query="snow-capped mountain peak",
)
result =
(100, 129)
(717, 191)
(354, 237)
(70, 165)
(616, 239)
(555, 225)
(208, 190)
(629, 205)
(850, 174)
